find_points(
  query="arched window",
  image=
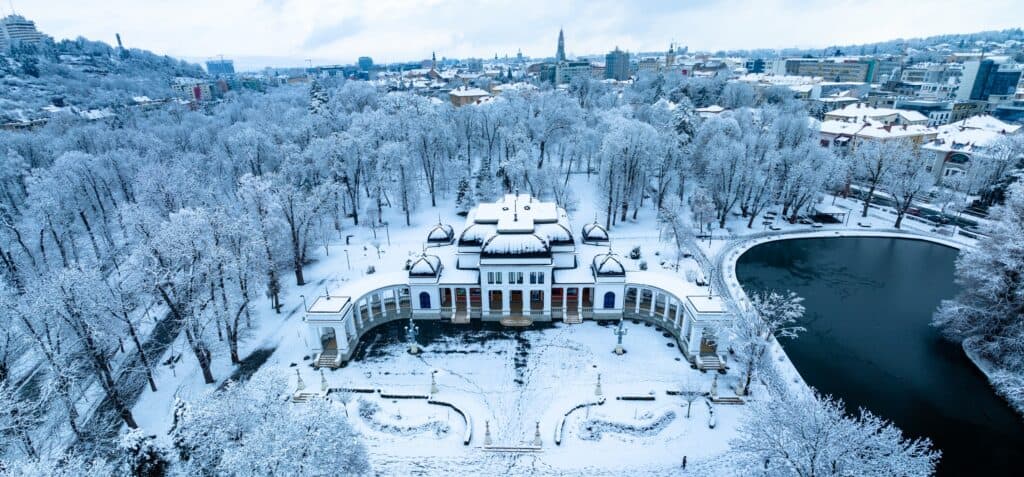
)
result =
(424, 300)
(609, 300)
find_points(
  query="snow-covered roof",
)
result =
(594, 232)
(854, 112)
(970, 135)
(608, 264)
(516, 213)
(441, 233)
(872, 129)
(475, 234)
(425, 266)
(515, 245)
(471, 92)
(556, 234)
(328, 304)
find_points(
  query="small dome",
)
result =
(425, 266)
(441, 233)
(608, 265)
(516, 245)
(594, 232)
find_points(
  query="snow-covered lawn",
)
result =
(512, 380)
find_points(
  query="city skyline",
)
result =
(395, 31)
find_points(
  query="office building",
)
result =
(616, 64)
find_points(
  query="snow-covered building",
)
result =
(956, 145)
(842, 135)
(517, 261)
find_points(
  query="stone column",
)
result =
(341, 336)
(664, 313)
(485, 301)
(506, 296)
(468, 303)
(636, 302)
(579, 302)
(547, 302)
(314, 333)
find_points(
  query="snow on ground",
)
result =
(512, 380)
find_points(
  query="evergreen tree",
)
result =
(463, 196)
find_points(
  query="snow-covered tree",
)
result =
(907, 180)
(873, 161)
(772, 315)
(812, 436)
(989, 306)
(252, 429)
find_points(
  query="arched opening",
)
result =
(424, 300)
(609, 300)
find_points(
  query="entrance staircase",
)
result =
(516, 320)
(460, 316)
(710, 361)
(300, 398)
(573, 318)
(327, 359)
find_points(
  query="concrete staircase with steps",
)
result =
(461, 317)
(573, 318)
(327, 359)
(727, 400)
(300, 398)
(710, 361)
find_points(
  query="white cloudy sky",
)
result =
(284, 32)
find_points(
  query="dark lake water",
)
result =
(869, 303)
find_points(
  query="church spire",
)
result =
(560, 55)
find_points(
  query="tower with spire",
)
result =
(560, 54)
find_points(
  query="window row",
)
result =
(515, 278)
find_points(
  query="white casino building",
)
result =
(516, 261)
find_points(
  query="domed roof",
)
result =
(556, 233)
(609, 265)
(425, 266)
(441, 233)
(515, 245)
(475, 234)
(594, 232)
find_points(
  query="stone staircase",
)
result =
(327, 359)
(573, 318)
(303, 397)
(710, 361)
(733, 400)
(460, 317)
(516, 320)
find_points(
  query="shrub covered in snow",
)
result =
(593, 429)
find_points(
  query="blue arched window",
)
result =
(609, 300)
(424, 300)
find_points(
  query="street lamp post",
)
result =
(411, 329)
(619, 333)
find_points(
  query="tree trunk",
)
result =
(142, 352)
(867, 200)
(198, 348)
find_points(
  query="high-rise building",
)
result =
(566, 71)
(220, 67)
(984, 78)
(616, 65)
(16, 29)
(365, 63)
(560, 54)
